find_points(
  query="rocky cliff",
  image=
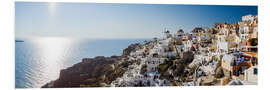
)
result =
(93, 72)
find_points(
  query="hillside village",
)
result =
(226, 54)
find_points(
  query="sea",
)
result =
(39, 60)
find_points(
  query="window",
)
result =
(255, 71)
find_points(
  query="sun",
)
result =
(52, 8)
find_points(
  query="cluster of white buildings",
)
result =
(224, 53)
(231, 47)
(155, 56)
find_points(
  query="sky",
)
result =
(105, 20)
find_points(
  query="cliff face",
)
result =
(130, 48)
(93, 72)
(89, 72)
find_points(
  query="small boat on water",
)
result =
(19, 41)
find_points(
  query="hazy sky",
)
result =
(96, 20)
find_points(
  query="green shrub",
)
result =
(253, 41)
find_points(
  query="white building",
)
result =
(162, 48)
(137, 53)
(255, 32)
(249, 18)
(243, 31)
(251, 75)
(167, 34)
(187, 45)
(224, 31)
(223, 47)
(221, 37)
(152, 63)
(226, 64)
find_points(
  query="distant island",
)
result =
(19, 41)
(223, 55)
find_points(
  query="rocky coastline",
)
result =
(93, 72)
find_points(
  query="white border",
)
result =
(201, 2)
(7, 80)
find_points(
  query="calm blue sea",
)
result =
(39, 60)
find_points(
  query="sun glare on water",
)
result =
(52, 8)
(51, 51)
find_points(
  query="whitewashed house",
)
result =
(223, 47)
(255, 32)
(243, 31)
(249, 18)
(152, 63)
(187, 45)
(251, 74)
(226, 64)
(167, 34)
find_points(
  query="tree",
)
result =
(253, 41)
